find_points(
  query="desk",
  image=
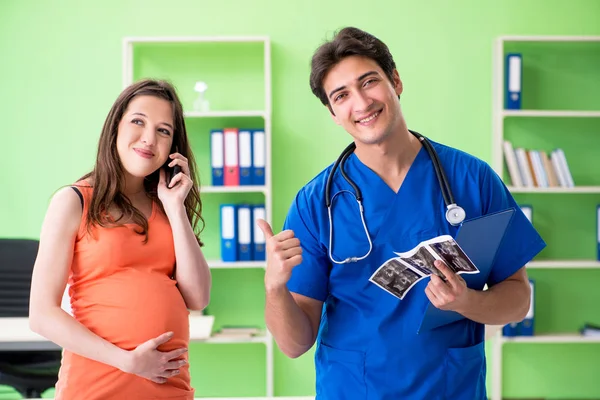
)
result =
(16, 335)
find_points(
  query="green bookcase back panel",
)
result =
(228, 370)
(565, 299)
(216, 64)
(237, 297)
(551, 371)
(567, 223)
(559, 75)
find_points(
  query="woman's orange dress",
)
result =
(121, 289)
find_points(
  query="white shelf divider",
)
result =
(564, 264)
(235, 264)
(565, 190)
(551, 113)
(518, 38)
(229, 114)
(552, 338)
(233, 189)
(224, 340)
(196, 39)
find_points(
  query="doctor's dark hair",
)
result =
(107, 177)
(348, 42)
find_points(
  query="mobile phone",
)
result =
(171, 172)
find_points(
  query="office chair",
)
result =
(29, 372)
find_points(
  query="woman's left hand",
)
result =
(175, 194)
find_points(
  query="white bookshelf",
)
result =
(499, 115)
(264, 112)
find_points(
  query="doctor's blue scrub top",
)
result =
(368, 346)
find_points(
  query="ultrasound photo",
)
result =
(395, 277)
(454, 257)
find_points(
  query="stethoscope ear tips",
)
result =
(455, 215)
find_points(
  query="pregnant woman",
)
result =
(125, 239)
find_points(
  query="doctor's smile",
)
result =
(366, 121)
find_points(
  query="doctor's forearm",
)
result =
(287, 322)
(505, 302)
(191, 272)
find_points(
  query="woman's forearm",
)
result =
(59, 327)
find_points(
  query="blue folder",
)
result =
(480, 238)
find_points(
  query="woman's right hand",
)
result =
(148, 362)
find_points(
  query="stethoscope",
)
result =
(455, 214)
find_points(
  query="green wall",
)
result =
(61, 71)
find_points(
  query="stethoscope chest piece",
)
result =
(455, 215)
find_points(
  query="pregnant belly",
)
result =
(131, 307)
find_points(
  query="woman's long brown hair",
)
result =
(107, 177)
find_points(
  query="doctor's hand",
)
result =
(283, 254)
(449, 294)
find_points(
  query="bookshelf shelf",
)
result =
(552, 338)
(576, 189)
(551, 113)
(229, 114)
(233, 189)
(225, 340)
(536, 39)
(563, 264)
(196, 39)
(236, 264)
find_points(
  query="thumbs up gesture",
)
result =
(283, 254)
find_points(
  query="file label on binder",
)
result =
(228, 233)
(514, 71)
(258, 157)
(259, 237)
(244, 233)
(232, 169)
(526, 326)
(216, 157)
(245, 149)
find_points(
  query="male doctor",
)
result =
(367, 341)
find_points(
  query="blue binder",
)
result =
(513, 81)
(598, 231)
(510, 329)
(526, 326)
(216, 156)
(245, 154)
(258, 238)
(244, 232)
(480, 238)
(258, 157)
(229, 232)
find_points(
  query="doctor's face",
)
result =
(363, 100)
